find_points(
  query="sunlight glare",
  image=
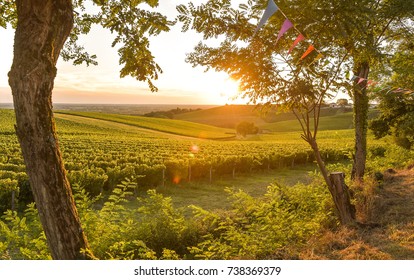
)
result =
(223, 90)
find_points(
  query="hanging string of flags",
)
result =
(287, 25)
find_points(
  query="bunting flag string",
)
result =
(287, 24)
(387, 88)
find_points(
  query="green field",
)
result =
(215, 194)
(100, 150)
(177, 127)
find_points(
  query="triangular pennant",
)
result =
(319, 56)
(310, 49)
(285, 27)
(360, 80)
(297, 41)
(270, 10)
(354, 78)
(398, 90)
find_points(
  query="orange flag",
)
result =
(308, 51)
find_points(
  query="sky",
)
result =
(178, 84)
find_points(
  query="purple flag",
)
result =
(285, 27)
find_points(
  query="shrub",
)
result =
(259, 228)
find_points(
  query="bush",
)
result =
(151, 228)
(245, 128)
(154, 229)
(262, 228)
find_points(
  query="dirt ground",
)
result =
(387, 231)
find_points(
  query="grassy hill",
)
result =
(230, 115)
(176, 127)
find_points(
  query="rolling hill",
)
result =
(176, 127)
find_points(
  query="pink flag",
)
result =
(371, 82)
(360, 80)
(308, 51)
(298, 39)
(285, 27)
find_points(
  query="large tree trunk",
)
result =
(361, 106)
(42, 28)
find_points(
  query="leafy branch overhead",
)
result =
(264, 69)
(132, 22)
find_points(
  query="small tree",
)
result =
(245, 128)
(342, 102)
(268, 73)
(396, 104)
(396, 118)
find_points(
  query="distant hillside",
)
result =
(230, 115)
(177, 127)
(224, 116)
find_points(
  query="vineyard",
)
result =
(101, 150)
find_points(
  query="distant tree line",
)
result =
(170, 113)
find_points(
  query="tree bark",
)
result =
(42, 28)
(361, 106)
(342, 198)
(336, 185)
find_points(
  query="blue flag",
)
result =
(270, 10)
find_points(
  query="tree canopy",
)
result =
(352, 36)
(132, 22)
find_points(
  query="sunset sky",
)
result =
(179, 84)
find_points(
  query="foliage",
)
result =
(402, 65)
(342, 102)
(119, 226)
(396, 118)
(150, 229)
(132, 24)
(23, 237)
(7, 13)
(264, 228)
(244, 128)
(130, 21)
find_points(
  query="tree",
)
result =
(396, 118)
(368, 31)
(42, 28)
(365, 31)
(342, 102)
(395, 95)
(243, 128)
(267, 73)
